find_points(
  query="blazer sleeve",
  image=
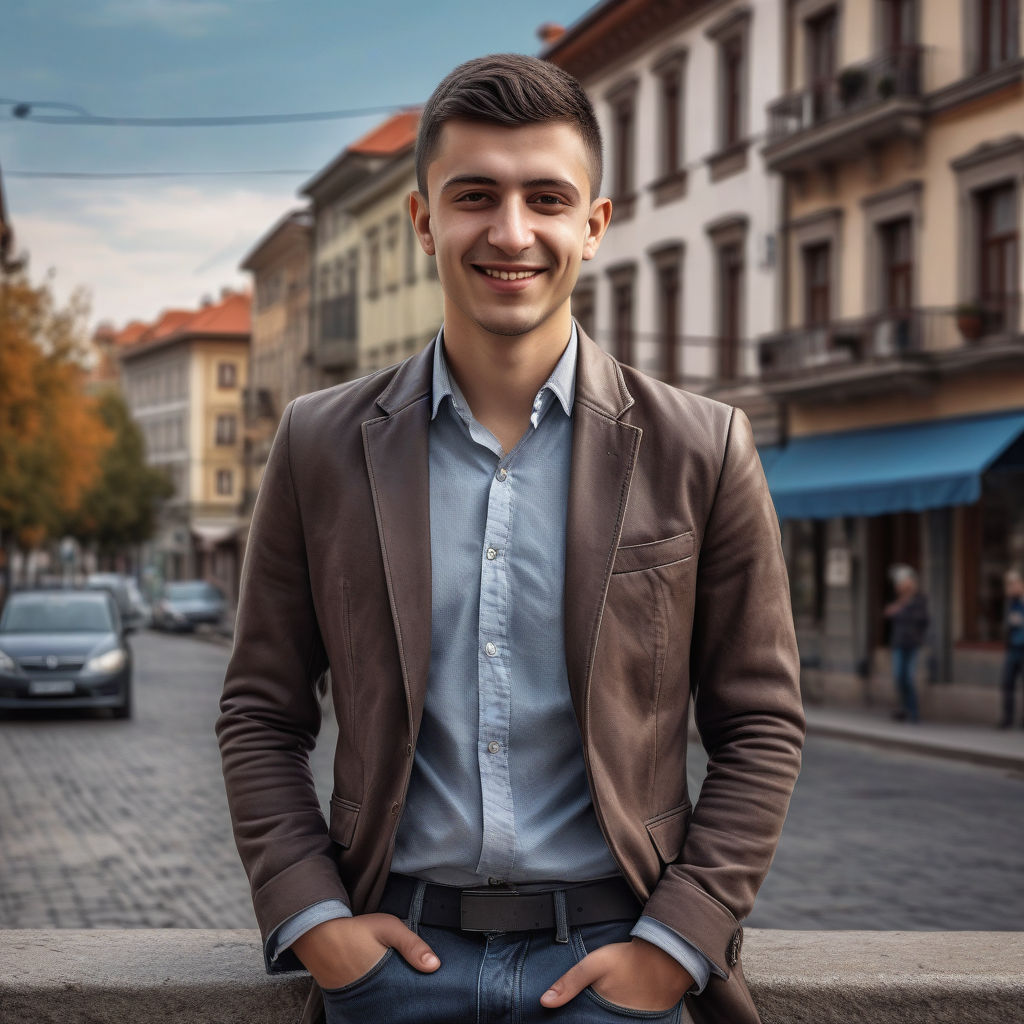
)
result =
(745, 676)
(270, 711)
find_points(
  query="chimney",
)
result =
(549, 33)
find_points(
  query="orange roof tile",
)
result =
(229, 316)
(130, 333)
(398, 132)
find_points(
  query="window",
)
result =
(897, 265)
(671, 96)
(998, 32)
(623, 281)
(730, 35)
(730, 309)
(822, 32)
(668, 284)
(225, 482)
(372, 263)
(899, 28)
(817, 279)
(623, 147)
(583, 305)
(998, 252)
(391, 255)
(227, 375)
(225, 432)
(732, 92)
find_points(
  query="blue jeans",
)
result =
(904, 662)
(486, 978)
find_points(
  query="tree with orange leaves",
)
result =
(51, 438)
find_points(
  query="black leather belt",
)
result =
(506, 910)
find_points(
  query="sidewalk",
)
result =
(1000, 748)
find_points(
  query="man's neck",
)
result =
(500, 376)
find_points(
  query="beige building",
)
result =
(899, 362)
(375, 293)
(183, 380)
(281, 366)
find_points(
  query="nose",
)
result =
(510, 230)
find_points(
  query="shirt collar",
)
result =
(561, 383)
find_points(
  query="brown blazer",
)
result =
(674, 585)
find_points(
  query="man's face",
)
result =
(509, 218)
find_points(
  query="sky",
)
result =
(140, 245)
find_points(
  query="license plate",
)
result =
(50, 687)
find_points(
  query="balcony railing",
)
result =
(857, 87)
(916, 335)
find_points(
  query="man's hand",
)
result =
(635, 974)
(343, 949)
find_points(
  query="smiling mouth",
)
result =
(509, 275)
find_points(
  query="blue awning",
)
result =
(905, 468)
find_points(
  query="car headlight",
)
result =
(112, 661)
(7, 663)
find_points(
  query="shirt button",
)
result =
(490, 650)
(494, 746)
(492, 554)
(502, 473)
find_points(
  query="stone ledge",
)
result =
(184, 976)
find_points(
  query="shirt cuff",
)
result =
(690, 958)
(298, 924)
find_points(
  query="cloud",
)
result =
(143, 248)
(177, 17)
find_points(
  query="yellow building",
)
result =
(899, 361)
(183, 381)
(375, 293)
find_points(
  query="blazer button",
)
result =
(733, 953)
(395, 808)
(408, 750)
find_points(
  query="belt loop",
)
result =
(416, 907)
(561, 917)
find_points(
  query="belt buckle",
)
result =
(475, 906)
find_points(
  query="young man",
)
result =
(519, 559)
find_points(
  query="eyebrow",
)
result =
(481, 179)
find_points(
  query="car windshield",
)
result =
(192, 592)
(56, 613)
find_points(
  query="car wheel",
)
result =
(125, 710)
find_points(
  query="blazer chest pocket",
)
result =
(656, 553)
(344, 815)
(668, 831)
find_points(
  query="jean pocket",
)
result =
(628, 1012)
(363, 979)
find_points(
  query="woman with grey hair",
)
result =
(909, 617)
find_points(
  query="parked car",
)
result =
(186, 604)
(121, 588)
(64, 649)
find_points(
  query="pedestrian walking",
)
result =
(908, 616)
(520, 559)
(1013, 666)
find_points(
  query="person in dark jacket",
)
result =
(908, 615)
(1013, 667)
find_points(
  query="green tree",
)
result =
(120, 507)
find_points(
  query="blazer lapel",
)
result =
(604, 452)
(397, 460)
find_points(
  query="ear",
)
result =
(420, 214)
(597, 224)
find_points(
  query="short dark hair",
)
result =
(509, 89)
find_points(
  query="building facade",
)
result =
(281, 366)
(183, 381)
(899, 136)
(374, 291)
(687, 274)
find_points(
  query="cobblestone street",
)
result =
(125, 824)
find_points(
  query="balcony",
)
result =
(336, 349)
(891, 351)
(863, 105)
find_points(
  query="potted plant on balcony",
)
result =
(851, 85)
(886, 86)
(970, 318)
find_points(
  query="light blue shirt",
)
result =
(499, 790)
